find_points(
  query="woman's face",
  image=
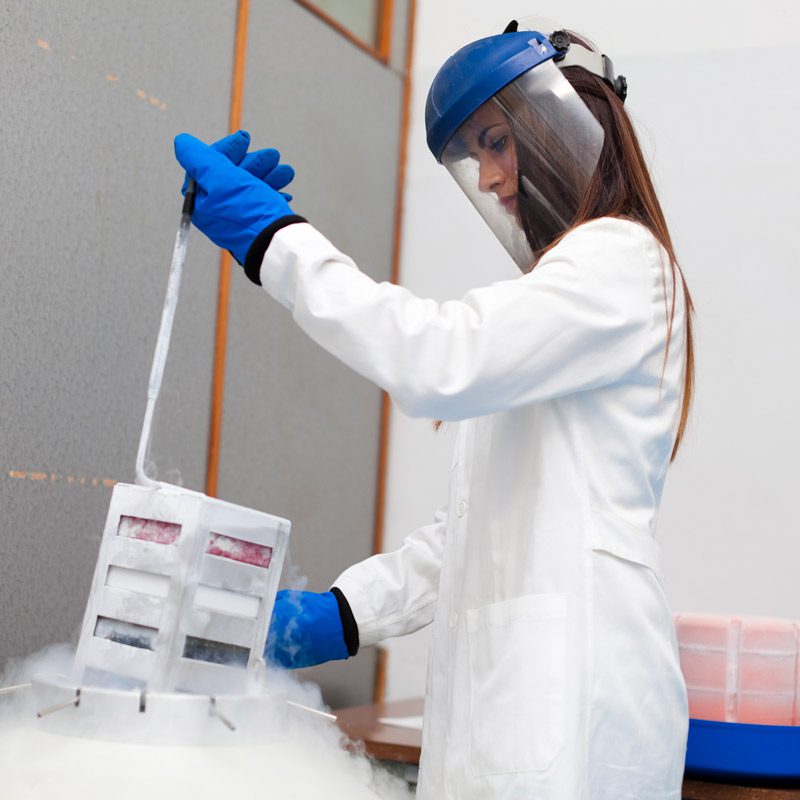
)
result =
(488, 138)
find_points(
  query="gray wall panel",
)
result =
(90, 207)
(399, 40)
(300, 434)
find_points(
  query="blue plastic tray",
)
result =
(735, 750)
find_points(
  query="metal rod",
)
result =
(9, 689)
(215, 712)
(165, 332)
(310, 710)
(60, 706)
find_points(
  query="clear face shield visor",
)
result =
(525, 159)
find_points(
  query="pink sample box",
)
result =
(741, 669)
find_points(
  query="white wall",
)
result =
(714, 91)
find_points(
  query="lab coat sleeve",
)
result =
(581, 319)
(395, 593)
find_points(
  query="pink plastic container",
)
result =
(741, 669)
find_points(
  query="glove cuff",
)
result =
(255, 255)
(349, 624)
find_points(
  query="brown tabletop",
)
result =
(390, 743)
(700, 790)
(386, 742)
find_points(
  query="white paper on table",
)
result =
(414, 723)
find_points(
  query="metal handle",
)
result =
(165, 331)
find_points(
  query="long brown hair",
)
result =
(622, 187)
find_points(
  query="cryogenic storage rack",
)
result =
(182, 592)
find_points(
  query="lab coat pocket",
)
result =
(517, 653)
(613, 535)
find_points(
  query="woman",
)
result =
(554, 669)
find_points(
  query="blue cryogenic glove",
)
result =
(309, 628)
(263, 164)
(236, 209)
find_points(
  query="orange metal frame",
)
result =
(223, 293)
(381, 666)
(383, 35)
(405, 121)
(224, 289)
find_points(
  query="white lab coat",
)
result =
(554, 671)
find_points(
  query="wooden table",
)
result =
(385, 742)
(390, 743)
(700, 790)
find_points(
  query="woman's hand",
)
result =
(262, 164)
(307, 629)
(236, 202)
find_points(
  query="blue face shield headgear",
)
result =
(516, 136)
